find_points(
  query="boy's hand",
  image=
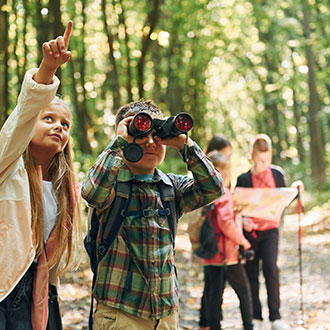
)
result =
(122, 129)
(175, 142)
(55, 54)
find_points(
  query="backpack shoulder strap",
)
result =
(209, 213)
(113, 223)
(116, 215)
(167, 194)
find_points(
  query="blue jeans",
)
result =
(15, 310)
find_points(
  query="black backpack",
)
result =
(209, 237)
(117, 213)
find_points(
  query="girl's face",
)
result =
(225, 172)
(227, 151)
(52, 130)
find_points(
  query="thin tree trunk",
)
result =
(26, 15)
(169, 75)
(43, 30)
(77, 65)
(156, 60)
(115, 81)
(18, 71)
(128, 55)
(325, 36)
(150, 23)
(269, 101)
(297, 115)
(57, 26)
(4, 81)
(317, 149)
(82, 115)
(271, 65)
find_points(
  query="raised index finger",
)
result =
(67, 33)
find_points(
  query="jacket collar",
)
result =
(125, 175)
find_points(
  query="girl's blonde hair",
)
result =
(68, 217)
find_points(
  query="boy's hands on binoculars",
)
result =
(174, 142)
(122, 129)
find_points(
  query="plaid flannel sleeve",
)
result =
(204, 187)
(98, 187)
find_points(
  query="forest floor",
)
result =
(75, 289)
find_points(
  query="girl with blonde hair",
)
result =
(39, 220)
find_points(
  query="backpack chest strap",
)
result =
(148, 213)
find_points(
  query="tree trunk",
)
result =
(57, 27)
(115, 78)
(77, 64)
(42, 29)
(174, 91)
(82, 116)
(271, 63)
(317, 149)
(26, 15)
(4, 81)
(17, 59)
(150, 23)
(297, 115)
(156, 59)
(128, 55)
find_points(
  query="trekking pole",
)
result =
(299, 210)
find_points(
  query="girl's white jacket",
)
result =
(17, 251)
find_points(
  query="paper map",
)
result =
(265, 203)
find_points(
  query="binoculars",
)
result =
(248, 255)
(143, 124)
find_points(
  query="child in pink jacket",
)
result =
(225, 264)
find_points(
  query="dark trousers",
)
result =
(15, 310)
(265, 246)
(215, 278)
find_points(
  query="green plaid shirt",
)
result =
(137, 274)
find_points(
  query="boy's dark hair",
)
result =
(218, 142)
(135, 107)
(262, 143)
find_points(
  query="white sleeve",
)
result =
(18, 129)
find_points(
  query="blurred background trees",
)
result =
(239, 67)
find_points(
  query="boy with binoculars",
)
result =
(136, 285)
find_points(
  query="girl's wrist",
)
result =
(45, 73)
